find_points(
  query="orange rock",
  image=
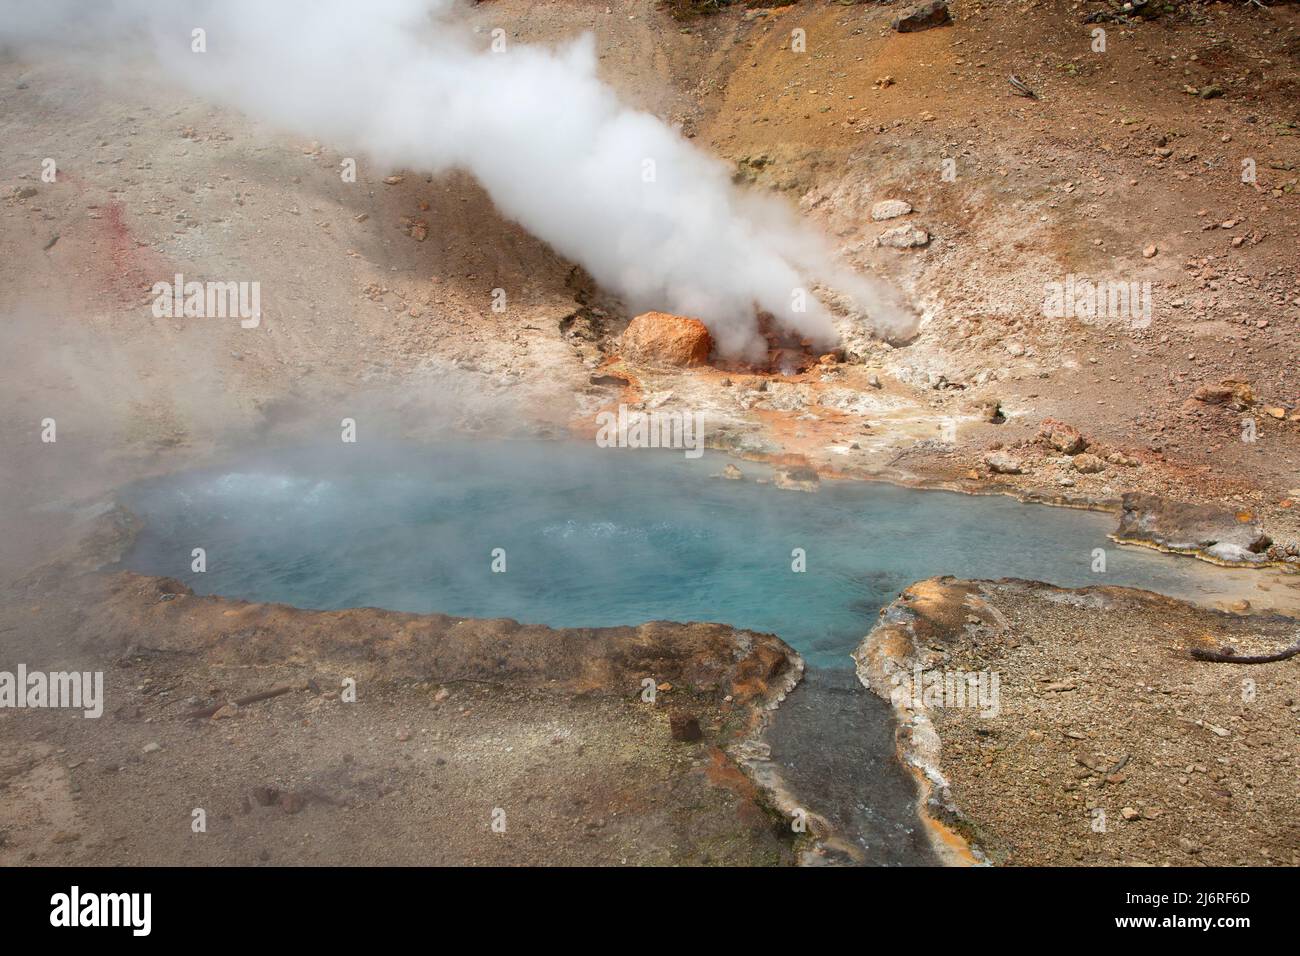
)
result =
(660, 338)
(1064, 438)
(1232, 392)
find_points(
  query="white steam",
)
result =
(551, 143)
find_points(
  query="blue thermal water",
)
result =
(598, 536)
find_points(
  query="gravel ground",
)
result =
(1111, 744)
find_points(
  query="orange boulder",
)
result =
(660, 338)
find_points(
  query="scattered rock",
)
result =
(749, 167)
(152, 747)
(1150, 251)
(293, 803)
(890, 209)
(1003, 463)
(990, 410)
(1064, 438)
(732, 472)
(797, 479)
(659, 338)
(903, 237)
(1088, 464)
(925, 17)
(1231, 392)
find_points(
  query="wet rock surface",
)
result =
(834, 741)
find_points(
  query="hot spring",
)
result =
(571, 535)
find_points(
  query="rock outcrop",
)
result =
(1217, 535)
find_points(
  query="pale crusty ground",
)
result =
(1090, 678)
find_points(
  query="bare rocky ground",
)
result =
(467, 742)
(377, 302)
(383, 287)
(1111, 744)
(1085, 180)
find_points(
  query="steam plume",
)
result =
(552, 145)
